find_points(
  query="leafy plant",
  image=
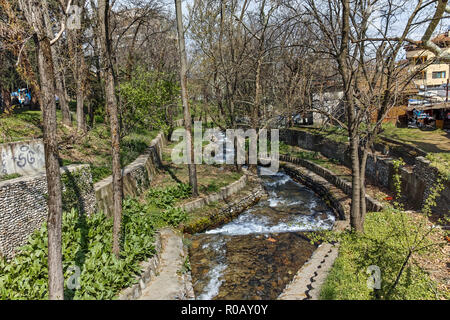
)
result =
(86, 244)
(147, 97)
(211, 188)
(393, 239)
(161, 203)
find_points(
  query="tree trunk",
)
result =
(363, 208)
(91, 113)
(54, 224)
(184, 97)
(81, 121)
(6, 97)
(60, 89)
(64, 105)
(258, 93)
(75, 44)
(345, 70)
(111, 100)
(355, 216)
(35, 18)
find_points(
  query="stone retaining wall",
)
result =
(149, 270)
(416, 181)
(332, 195)
(136, 177)
(227, 213)
(372, 204)
(399, 149)
(223, 194)
(308, 281)
(23, 203)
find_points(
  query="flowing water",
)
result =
(256, 255)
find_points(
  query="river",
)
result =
(256, 255)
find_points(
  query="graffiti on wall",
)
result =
(24, 157)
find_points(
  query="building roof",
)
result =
(437, 106)
(442, 40)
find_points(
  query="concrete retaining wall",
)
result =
(136, 177)
(23, 204)
(223, 194)
(149, 270)
(417, 182)
(24, 158)
(227, 213)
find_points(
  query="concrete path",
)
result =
(170, 284)
(310, 278)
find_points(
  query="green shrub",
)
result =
(167, 197)
(86, 243)
(392, 241)
(379, 246)
(161, 204)
(211, 188)
(146, 97)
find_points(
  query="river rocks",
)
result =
(256, 268)
(257, 254)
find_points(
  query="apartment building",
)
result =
(434, 73)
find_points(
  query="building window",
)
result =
(439, 75)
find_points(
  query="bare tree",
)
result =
(184, 98)
(370, 73)
(35, 17)
(78, 65)
(60, 88)
(111, 100)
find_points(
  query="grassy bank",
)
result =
(383, 245)
(93, 148)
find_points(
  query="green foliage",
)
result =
(166, 197)
(397, 164)
(211, 188)
(147, 96)
(441, 162)
(294, 152)
(383, 245)
(100, 172)
(86, 243)
(392, 240)
(161, 204)
(186, 267)
(9, 176)
(20, 126)
(135, 144)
